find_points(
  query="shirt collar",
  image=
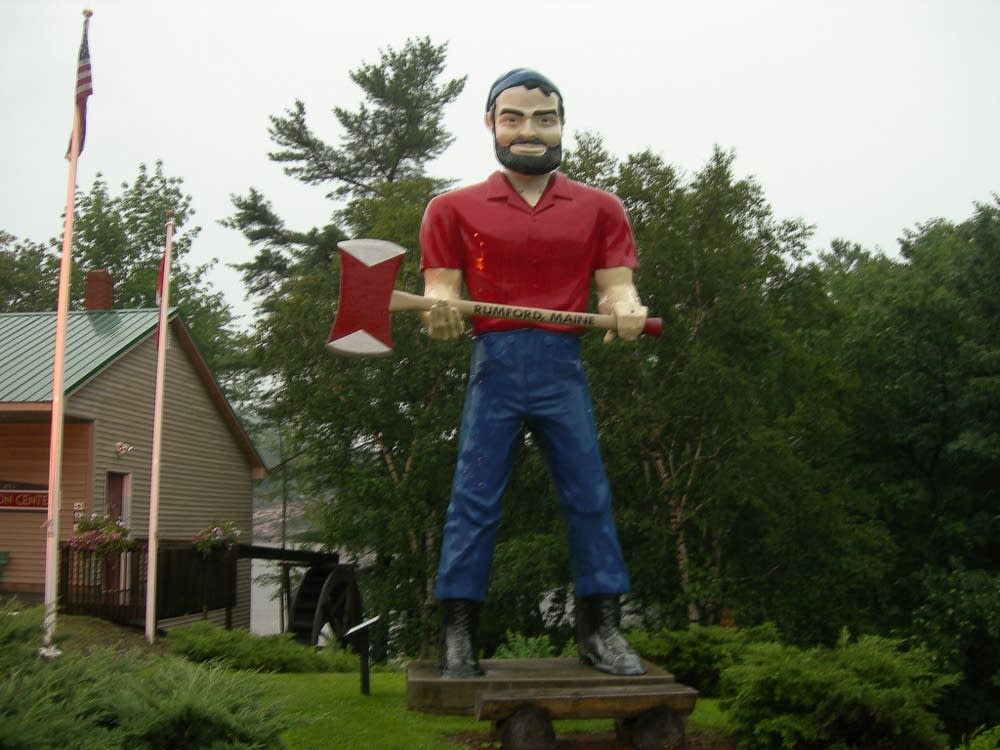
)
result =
(499, 187)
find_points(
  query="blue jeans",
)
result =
(528, 378)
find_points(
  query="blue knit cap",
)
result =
(519, 77)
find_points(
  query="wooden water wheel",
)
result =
(327, 595)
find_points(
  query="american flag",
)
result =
(84, 87)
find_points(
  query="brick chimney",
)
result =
(100, 290)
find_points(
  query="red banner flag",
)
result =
(84, 86)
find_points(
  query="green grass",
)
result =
(331, 714)
(708, 717)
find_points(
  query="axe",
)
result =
(368, 271)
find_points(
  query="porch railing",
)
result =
(114, 587)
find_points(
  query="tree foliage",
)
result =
(921, 338)
(389, 138)
(723, 477)
(29, 275)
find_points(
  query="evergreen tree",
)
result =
(374, 436)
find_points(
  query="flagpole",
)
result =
(163, 287)
(58, 385)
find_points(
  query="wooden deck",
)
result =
(565, 688)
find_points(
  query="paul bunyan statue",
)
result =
(529, 236)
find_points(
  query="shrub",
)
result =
(239, 649)
(984, 739)
(50, 706)
(20, 633)
(858, 695)
(45, 705)
(337, 659)
(194, 706)
(108, 699)
(517, 646)
(696, 656)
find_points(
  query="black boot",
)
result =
(457, 645)
(599, 640)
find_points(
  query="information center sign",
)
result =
(24, 500)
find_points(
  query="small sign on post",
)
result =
(359, 635)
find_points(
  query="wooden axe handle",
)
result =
(402, 301)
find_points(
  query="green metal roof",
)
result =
(93, 341)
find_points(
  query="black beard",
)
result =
(533, 165)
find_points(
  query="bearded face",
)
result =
(527, 130)
(529, 163)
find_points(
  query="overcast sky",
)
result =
(862, 117)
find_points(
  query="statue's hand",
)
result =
(443, 321)
(630, 317)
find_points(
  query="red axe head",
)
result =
(368, 271)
